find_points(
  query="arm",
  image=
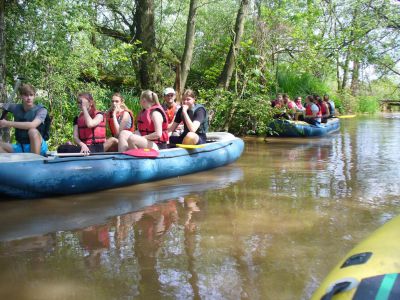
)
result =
(90, 123)
(124, 121)
(191, 125)
(21, 125)
(39, 119)
(115, 122)
(173, 126)
(84, 147)
(157, 119)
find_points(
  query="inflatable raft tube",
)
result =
(371, 270)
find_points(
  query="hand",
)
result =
(4, 123)
(85, 103)
(185, 108)
(116, 106)
(85, 150)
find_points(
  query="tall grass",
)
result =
(368, 104)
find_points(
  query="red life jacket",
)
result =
(91, 136)
(323, 109)
(119, 115)
(309, 111)
(319, 114)
(146, 126)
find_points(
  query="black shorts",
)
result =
(179, 139)
(76, 149)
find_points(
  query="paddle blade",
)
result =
(190, 146)
(142, 152)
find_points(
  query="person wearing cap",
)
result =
(171, 107)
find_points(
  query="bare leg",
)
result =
(191, 139)
(111, 144)
(6, 148)
(123, 140)
(35, 139)
(136, 141)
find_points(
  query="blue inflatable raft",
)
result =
(289, 128)
(27, 175)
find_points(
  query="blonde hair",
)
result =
(189, 93)
(150, 97)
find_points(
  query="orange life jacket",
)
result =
(119, 115)
(170, 111)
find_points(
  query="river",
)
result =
(269, 226)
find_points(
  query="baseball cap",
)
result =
(169, 91)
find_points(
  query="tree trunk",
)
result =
(227, 72)
(186, 60)
(145, 33)
(4, 132)
(355, 78)
(345, 70)
(2, 52)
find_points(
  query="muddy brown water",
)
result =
(269, 226)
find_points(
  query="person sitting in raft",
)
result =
(324, 109)
(278, 101)
(152, 125)
(290, 107)
(28, 123)
(119, 118)
(89, 128)
(331, 106)
(195, 120)
(300, 109)
(313, 112)
(171, 107)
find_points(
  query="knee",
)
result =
(191, 138)
(33, 133)
(124, 135)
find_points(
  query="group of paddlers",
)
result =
(156, 126)
(315, 110)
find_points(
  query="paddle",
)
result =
(346, 116)
(185, 146)
(145, 153)
(142, 152)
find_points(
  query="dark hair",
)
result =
(27, 89)
(89, 97)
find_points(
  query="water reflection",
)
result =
(270, 226)
(63, 213)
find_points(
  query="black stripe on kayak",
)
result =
(357, 259)
(385, 286)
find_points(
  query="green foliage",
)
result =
(296, 47)
(296, 83)
(368, 104)
(246, 115)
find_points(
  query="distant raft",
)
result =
(289, 128)
(369, 271)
